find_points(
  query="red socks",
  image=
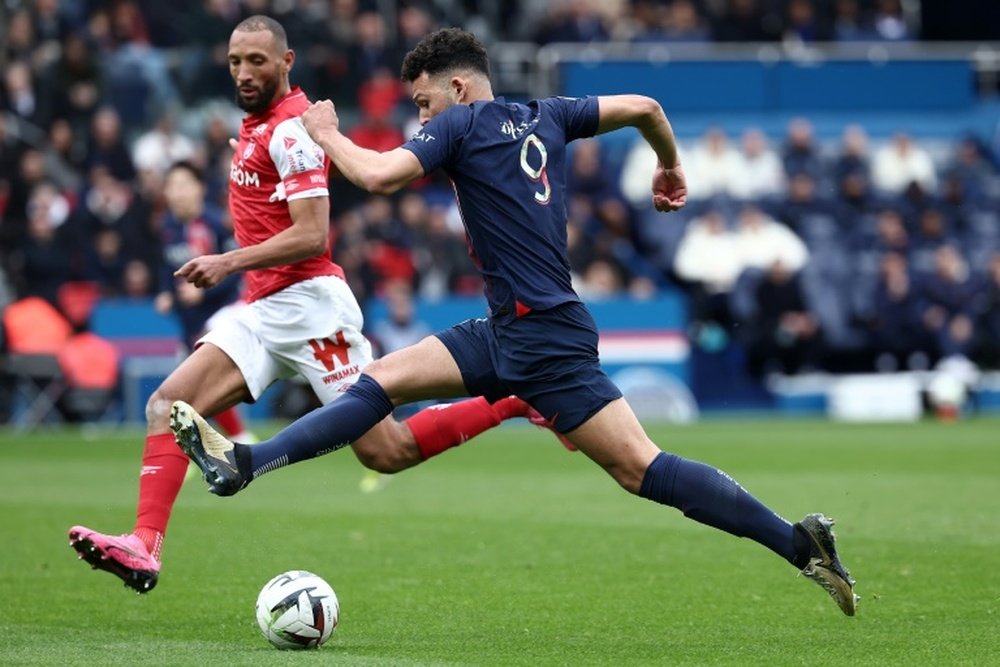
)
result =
(443, 426)
(163, 468)
(230, 422)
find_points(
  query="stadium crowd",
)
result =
(844, 255)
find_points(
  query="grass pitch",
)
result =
(512, 551)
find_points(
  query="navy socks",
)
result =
(712, 497)
(325, 429)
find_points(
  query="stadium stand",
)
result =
(864, 139)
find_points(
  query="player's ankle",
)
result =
(152, 538)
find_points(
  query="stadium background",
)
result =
(853, 142)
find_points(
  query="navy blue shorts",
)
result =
(547, 358)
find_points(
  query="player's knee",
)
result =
(383, 460)
(629, 473)
(158, 407)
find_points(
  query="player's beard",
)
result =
(265, 95)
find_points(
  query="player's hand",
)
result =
(669, 188)
(320, 118)
(205, 271)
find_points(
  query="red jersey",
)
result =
(276, 162)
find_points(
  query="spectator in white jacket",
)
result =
(901, 162)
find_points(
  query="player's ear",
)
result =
(460, 87)
(289, 60)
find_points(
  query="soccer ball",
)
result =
(296, 610)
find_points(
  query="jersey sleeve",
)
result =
(580, 115)
(437, 143)
(302, 164)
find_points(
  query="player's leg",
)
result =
(229, 420)
(416, 373)
(615, 440)
(392, 446)
(135, 558)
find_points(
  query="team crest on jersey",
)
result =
(248, 151)
(260, 129)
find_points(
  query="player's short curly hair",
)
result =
(444, 51)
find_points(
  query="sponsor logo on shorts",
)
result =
(325, 350)
(341, 374)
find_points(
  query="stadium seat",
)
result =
(77, 299)
(90, 366)
(35, 332)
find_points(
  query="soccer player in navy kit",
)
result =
(507, 163)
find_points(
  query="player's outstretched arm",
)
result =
(380, 173)
(646, 115)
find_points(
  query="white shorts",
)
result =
(311, 328)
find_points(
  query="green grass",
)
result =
(512, 551)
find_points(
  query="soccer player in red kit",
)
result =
(302, 318)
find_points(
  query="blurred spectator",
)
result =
(589, 178)
(803, 25)
(29, 174)
(106, 262)
(762, 242)
(801, 154)
(215, 155)
(677, 21)
(442, 256)
(785, 336)
(64, 156)
(684, 23)
(892, 318)
(163, 145)
(76, 83)
(973, 168)
(577, 21)
(43, 261)
(107, 146)
(889, 21)
(853, 156)
(401, 328)
(387, 250)
(413, 23)
(21, 96)
(136, 69)
(204, 68)
(19, 37)
(138, 280)
(369, 54)
(377, 99)
(988, 322)
(900, 163)
(192, 228)
(601, 279)
(709, 257)
(761, 173)
(932, 232)
(746, 21)
(850, 24)
(952, 298)
(812, 217)
(712, 167)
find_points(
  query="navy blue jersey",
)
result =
(508, 165)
